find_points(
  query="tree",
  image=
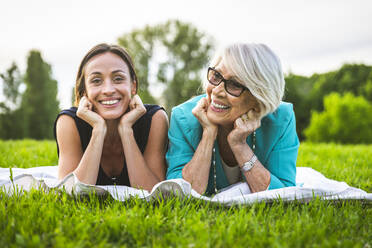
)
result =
(345, 119)
(140, 45)
(307, 93)
(367, 89)
(349, 78)
(39, 102)
(10, 115)
(298, 89)
(173, 54)
(12, 81)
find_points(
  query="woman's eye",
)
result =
(96, 80)
(118, 79)
(234, 85)
(217, 76)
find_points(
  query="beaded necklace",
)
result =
(214, 161)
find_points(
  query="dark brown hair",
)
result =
(96, 50)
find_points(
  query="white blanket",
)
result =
(310, 184)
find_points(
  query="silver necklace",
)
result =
(214, 161)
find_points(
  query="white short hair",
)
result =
(259, 69)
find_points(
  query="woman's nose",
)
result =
(219, 89)
(108, 87)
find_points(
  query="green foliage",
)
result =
(11, 118)
(140, 45)
(55, 219)
(39, 102)
(12, 80)
(30, 113)
(367, 89)
(12, 124)
(349, 78)
(177, 51)
(298, 89)
(345, 119)
(307, 93)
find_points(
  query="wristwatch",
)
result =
(247, 166)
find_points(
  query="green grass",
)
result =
(349, 163)
(54, 219)
(27, 153)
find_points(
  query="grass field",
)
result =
(54, 219)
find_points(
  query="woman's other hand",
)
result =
(136, 111)
(243, 126)
(86, 113)
(200, 112)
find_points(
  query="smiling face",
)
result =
(108, 85)
(224, 108)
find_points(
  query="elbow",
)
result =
(149, 188)
(62, 173)
(195, 185)
(201, 190)
(160, 176)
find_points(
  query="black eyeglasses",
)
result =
(232, 87)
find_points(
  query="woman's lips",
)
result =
(218, 107)
(109, 103)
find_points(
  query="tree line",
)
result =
(31, 113)
(333, 106)
(329, 107)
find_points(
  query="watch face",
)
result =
(247, 166)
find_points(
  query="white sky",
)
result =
(309, 36)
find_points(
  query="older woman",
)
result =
(111, 137)
(240, 130)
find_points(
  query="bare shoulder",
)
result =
(70, 150)
(66, 124)
(67, 132)
(159, 127)
(160, 118)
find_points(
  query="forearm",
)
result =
(258, 178)
(87, 170)
(196, 172)
(139, 172)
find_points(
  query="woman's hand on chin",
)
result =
(200, 112)
(86, 113)
(243, 126)
(136, 111)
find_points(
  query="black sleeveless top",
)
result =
(141, 131)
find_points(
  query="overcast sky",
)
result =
(309, 36)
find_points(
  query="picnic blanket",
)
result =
(310, 183)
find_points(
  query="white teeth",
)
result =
(111, 102)
(219, 106)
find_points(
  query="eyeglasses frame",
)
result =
(225, 82)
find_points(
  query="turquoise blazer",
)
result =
(276, 145)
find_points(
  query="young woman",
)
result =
(239, 130)
(111, 137)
